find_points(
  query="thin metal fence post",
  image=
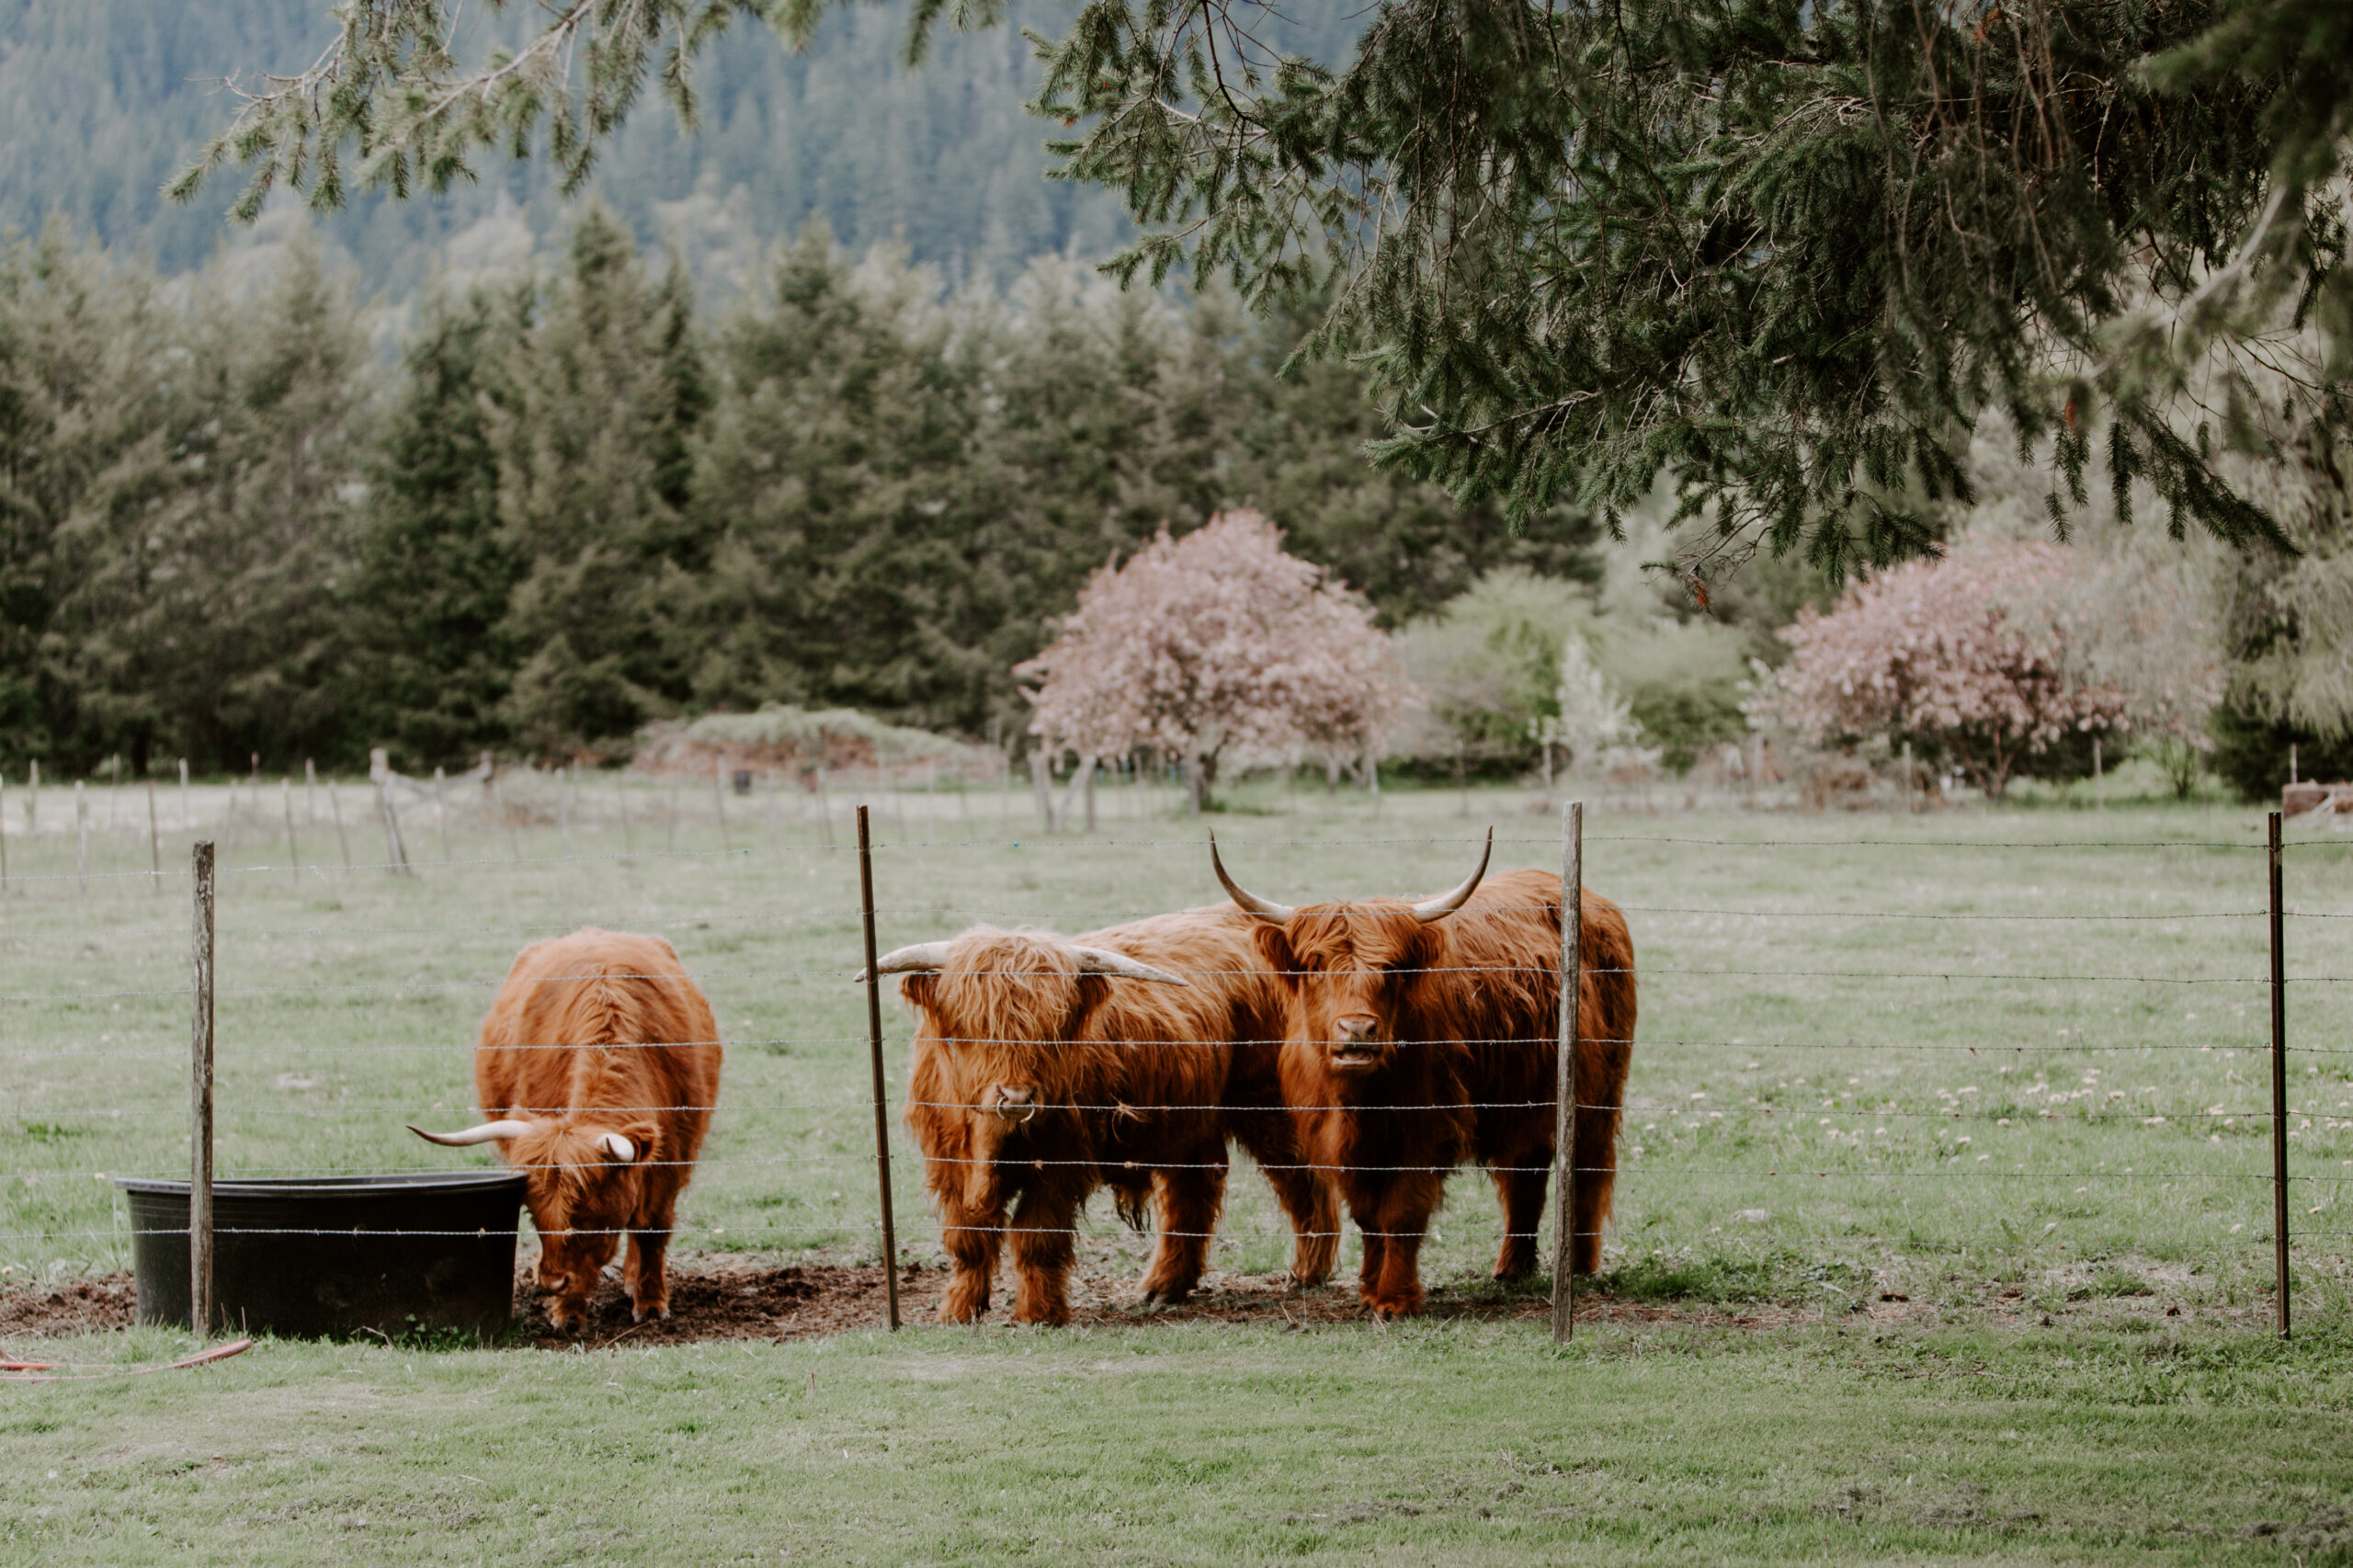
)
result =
(1564, 1125)
(2278, 1078)
(199, 1182)
(874, 1040)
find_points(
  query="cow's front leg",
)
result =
(1393, 1283)
(1043, 1236)
(971, 1237)
(647, 1275)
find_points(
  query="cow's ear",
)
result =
(645, 1141)
(920, 990)
(1094, 989)
(1274, 946)
(1424, 950)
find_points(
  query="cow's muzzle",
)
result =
(1356, 1044)
(1014, 1104)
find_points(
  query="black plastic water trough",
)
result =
(337, 1255)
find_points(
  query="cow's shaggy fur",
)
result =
(1131, 1084)
(593, 1033)
(1460, 1062)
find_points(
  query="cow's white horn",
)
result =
(1103, 960)
(917, 958)
(488, 1133)
(614, 1146)
(1264, 908)
(1446, 903)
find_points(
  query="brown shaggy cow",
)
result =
(600, 1062)
(1422, 1034)
(1046, 1067)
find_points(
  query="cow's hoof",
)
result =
(1163, 1298)
(639, 1314)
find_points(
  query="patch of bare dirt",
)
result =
(85, 1306)
(711, 1301)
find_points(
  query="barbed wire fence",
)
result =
(75, 1093)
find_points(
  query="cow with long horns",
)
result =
(598, 1063)
(1046, 1067)
(1423, 1034)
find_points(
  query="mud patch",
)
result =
(741, 1302)
(86, 1306)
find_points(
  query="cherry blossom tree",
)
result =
(1949, 654)
(1213, 645)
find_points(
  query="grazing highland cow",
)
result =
(600, 1060)
(1422, 1034)
(1046, 1067)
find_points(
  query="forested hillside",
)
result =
(101, 101)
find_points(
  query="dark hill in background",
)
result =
(101, 101)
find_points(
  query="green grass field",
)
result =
(2009, 1065)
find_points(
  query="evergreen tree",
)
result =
(435, 568)
(609, 388)
(205, 562)
(1400, 541)
(1786, 253)
(77, 385)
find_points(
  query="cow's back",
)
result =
(602, 1019)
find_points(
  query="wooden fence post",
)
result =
(1565, 1124)
(874, 1040)
(286, 806)
(200, 1179)
(379, 773)
(154, 843)
(334, 808)
(2278, 1078)
(81, 838)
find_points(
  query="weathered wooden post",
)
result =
(441, 814)
(379, 773)
(334, 806)
(155, 844)
(286, 807)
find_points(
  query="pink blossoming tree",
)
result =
(1947, 653)
(1211, 645)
